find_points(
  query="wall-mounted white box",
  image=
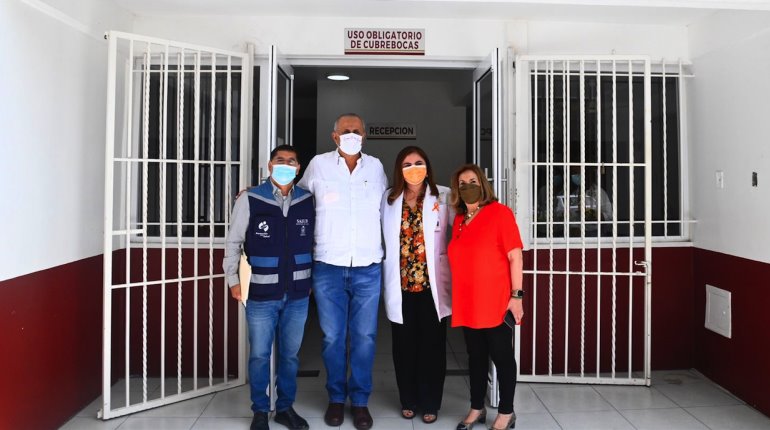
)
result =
(719, 311)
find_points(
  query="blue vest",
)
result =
(279, 248)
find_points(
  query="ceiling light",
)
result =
(337, 77)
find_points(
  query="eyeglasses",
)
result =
(291, 162)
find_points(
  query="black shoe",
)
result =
(482, 419)
(335, 414)
(291, 419)
(259, 422)
(362, 419)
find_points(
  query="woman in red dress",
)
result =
(486, 263)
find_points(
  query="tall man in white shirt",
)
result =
(348, 187)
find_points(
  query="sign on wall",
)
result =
(383, 41)
(391, 130)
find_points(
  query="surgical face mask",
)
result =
(470, 193)
(350, 143)
(575, 179)
(415, 174)
(283, 174)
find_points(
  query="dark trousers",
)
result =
(495, 343)
(419, 353)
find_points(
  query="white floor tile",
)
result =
(655, 419)
(205, 423)
(567, 398)
(525, 401)
(445, 421)
(634, 397)
(92, 423)
(698, 394)
(594, 420)
(381, 423)
(731, 417)
(539, 421)
(385, 404)
(311, 404)
(233, 403)
(188, 408)
(155, 423)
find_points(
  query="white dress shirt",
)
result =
(347, 204)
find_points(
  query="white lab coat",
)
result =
(437, 216)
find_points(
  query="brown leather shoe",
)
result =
(335, 414)
(362, 419)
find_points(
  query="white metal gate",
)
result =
(583, 183)
(178, 117)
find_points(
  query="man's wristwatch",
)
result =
(517, 294)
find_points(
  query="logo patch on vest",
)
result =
(262, 229)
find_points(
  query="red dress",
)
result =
(481, 273)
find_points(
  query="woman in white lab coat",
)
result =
(417, 282)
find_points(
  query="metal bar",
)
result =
(196, 143)
(154, 160)
(582, 380)
(565, 93)
(607, 164)
(212, 143)
(129, 168)
(180, 214)
(550, 227)
(582, 219)
(145, 167)
(647, 218)
(170, 399)
(152, 283)
(158, 41)
(665, 156)
(534, 230)
(614, 208)
(572, 272)
(228, 142)
(684, 149)
(227, 206)
(631, 214)
(108, 224)
(163, 136)
(598, 211)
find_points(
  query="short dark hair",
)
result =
(287, 148)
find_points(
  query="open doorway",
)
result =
(436, 102)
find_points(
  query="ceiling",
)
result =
(665, 12)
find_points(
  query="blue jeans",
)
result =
(348, 300)
(263, 317)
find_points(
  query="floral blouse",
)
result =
(414, 266)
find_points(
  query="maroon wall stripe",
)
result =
(51, 323)
(741, 364)
(672, 312)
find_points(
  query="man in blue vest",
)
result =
(273, 223)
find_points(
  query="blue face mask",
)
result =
(575, 179)
(283, 174)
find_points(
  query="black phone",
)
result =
(509, 319)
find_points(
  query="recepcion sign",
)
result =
(384, 41)
(391, 130)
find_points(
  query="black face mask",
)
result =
(470, 193)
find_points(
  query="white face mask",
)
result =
(350, 143)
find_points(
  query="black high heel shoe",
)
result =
(511, 423)
(482, 419)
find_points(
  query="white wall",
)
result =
(52, 120)
(730, 131)
(428, 105)
(444, 37)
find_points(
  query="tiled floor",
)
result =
(676, 400)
